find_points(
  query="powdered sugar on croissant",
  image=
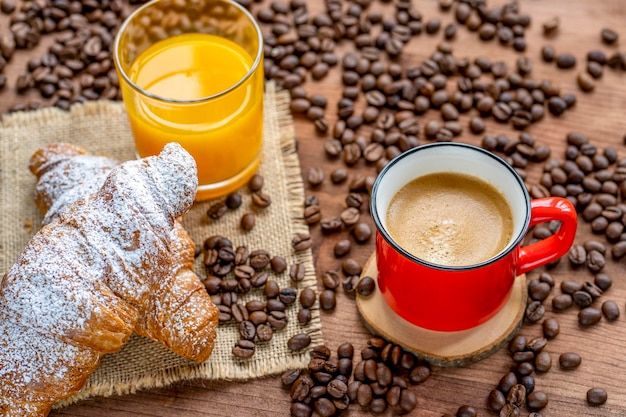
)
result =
(179, 314)
(78, 289)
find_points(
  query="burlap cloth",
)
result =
(102, 128)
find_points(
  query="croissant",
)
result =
(87, 279)
(65, 173)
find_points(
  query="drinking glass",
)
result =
(191, 71)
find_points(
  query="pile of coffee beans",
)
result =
(298, 46)
(78, 66)
(232, 272)
(516, 389)
(380, 381)
(594, 181)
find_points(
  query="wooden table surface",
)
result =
(601, 115)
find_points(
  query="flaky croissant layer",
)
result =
(86, 280)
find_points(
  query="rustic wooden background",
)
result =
(601, 115)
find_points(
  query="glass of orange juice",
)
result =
(191, 71)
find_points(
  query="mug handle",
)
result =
(555, 246)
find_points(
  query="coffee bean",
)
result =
(351, 267)
(247, 330)
(288, 377)
(535, 311)
(551, 26)
(596, 396)
(477, 125)
(217, 210)
(288, 295)
(243, 349)
(366, 286)
(617, 61)
(577, 255)
(393, 397)
(301, 388)
(569, 360)
(466, 411)
(595, 261)
(496, 400)
(609, 36)
(565, 61)
(582, 299)
(618, 250)
(509, 410)
(304, 316)
(557, 105)
(364, 395)
(585, 81)
(419, 374)
(589, 316)
(449, 112)
(297, 272)
(362, 232)
(330, 280)
(239, 313)
(256, 183)
(540, 291)
(299, 341)
(548, 53)
(543, 362)
(258, 317)
(261, 199)
(315, 176)
(517, 395)
(524, 368)
(518, 343)
(350, 216)
(562, 302)
(307, 297)
(298, 409)
(528, 382)
(301, 241)
(610, 310)
(339, 175)
(327, 300)
(248, 221)
(537, 400)
(255, 305)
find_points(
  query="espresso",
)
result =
(450, 219)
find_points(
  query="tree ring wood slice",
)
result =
(451, 349)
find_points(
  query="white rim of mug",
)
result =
(252, 70)
(383, 231)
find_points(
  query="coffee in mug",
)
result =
(450, 218)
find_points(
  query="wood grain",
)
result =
(601, 115)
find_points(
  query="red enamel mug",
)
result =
(453, 298)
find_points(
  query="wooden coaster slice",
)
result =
(443, 348)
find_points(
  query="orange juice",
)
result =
(192, 96)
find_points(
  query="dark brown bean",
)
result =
(537, 400)
(299, 341)
(297, 272)
(610, 310)
(496, 400)
(596, 396)
(301, 241)
(327, 300)
(243, 349)
(569, 360)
